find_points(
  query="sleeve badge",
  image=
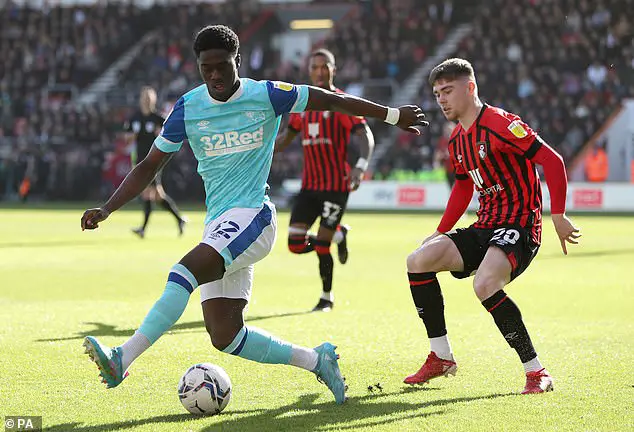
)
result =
(517, 129)
(283, 86)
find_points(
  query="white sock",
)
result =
(133, 348)
(338, 237)
(440, 345)
(305, 358)
(328, 296)
(533, 365)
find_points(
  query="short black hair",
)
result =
(330, 57)
(216, 37)
(451, 69)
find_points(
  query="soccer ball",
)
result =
(205, 389)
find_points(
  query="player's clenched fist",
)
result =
(411, 116)
(91, 218)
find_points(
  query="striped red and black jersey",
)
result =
(495, 153)
(325, 137)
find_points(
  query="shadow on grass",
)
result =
(303, 415)
(48, 244)
(101, 329)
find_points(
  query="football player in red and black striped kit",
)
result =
(327, 178)
(495, 152)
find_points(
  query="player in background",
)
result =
(230, 124)
(142, 128)
(497, 152)
(326, 177)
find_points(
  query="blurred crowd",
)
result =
(382, 40)
(53, 148)
(168, 62)
(563, 66)
(388, 38)
(49, 53)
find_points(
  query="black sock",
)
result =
(147, 209)
(429, 303)
(301, 243)
(326, 263)
(168, 204)
(508, 318)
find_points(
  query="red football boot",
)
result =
(432, 368)
(538, 382)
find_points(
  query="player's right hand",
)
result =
(411, 116)
(91, 218)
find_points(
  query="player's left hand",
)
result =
(356, 177)
(566, 231)
(411, 116)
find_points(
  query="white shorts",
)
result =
(243, 236)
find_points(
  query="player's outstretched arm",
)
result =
(555, 172)
(406, 117)
(134, 183)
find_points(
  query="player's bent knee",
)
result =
(485, 285)
(221, 338)
(427, 258)
(413, 264)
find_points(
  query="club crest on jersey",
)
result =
(517, 129)
(283, 86)
(255, 115)
(482, 150)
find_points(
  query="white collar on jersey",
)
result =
(233, 97)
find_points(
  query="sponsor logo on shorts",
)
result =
(224, 229)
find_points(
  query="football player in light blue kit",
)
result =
(231, 125)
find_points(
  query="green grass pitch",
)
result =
(59, 284)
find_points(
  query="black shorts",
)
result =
(473, 243)
(309, 205)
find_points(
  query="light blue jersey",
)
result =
(233, 140)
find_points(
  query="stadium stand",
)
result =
(379, 41)
(563, 66)
(564, 79)
(168, 63)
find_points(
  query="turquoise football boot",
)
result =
(328, 372)
(108, 360)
